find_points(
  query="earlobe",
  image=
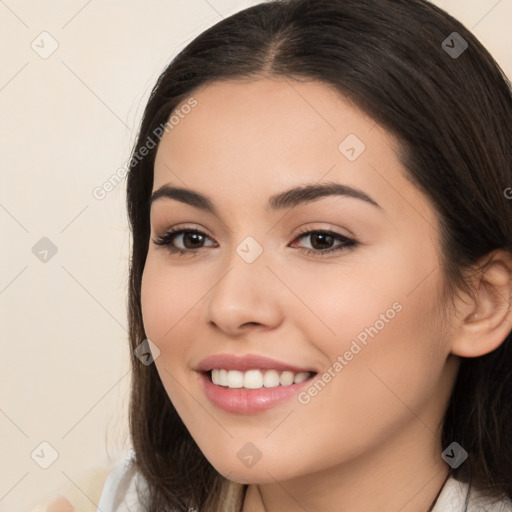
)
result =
(487, 319)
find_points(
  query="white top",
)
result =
(120, 493)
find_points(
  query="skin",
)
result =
(370, 439)
(60, 504)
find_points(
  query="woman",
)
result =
(321, 271)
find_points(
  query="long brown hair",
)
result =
(452, 115)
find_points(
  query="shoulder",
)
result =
(454, 496)
(123, 487)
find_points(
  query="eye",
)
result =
(192, 240)
(321, 242)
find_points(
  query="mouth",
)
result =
(256, 378)
(252, 391)
(250, 384)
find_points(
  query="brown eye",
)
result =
(321, 242)
(191, 239)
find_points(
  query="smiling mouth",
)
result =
(256, 379)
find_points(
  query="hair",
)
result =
(452, 118)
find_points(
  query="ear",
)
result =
(486, 320)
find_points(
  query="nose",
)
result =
(245, 296)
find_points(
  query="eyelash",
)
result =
(167, 238)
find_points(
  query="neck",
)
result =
(405, 475)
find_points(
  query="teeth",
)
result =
(253, 379)
(235, 379)
(286, 379)
(256, 379)
(223, 377)
(271, 379)
(300, 377)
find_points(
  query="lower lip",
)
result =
(248, 401)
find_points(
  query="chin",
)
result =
(262, 472)
(249, 477)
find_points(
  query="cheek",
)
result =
(154, 305)
(391, 300)
(398, 360)
(384, 345)
(167, 296)
(167, 304)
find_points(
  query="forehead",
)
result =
(255, 138)
(264, 125)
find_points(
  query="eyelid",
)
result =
(333, 229)
(183, 227)
(307, 228)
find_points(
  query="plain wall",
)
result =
(67, 123)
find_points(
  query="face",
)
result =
(317, 312)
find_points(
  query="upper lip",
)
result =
(247, 362)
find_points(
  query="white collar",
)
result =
(120, 494)
(453, 499)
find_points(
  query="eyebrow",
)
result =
(288, 199)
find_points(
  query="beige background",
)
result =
(67, 124)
